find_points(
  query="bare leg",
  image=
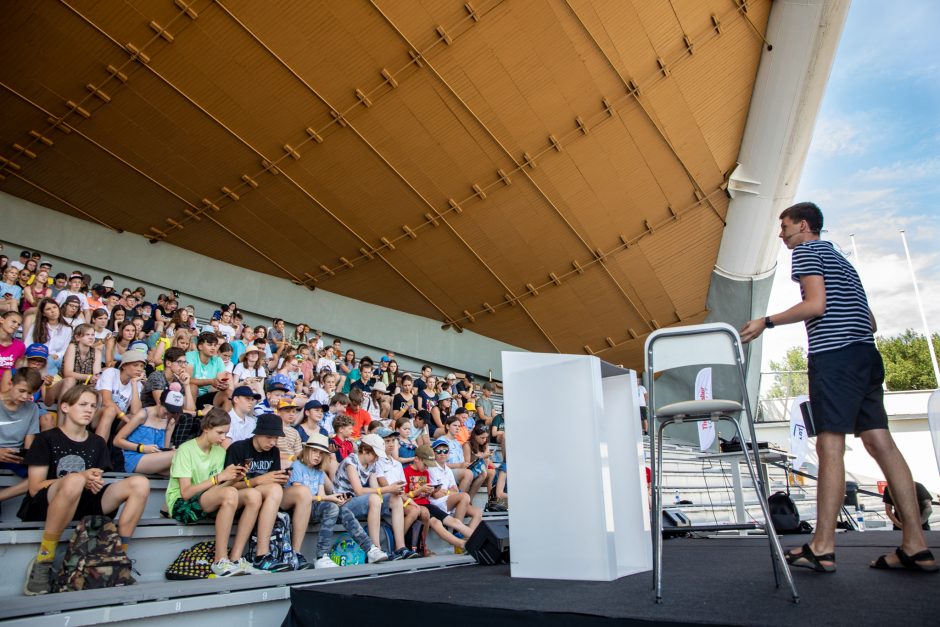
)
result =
(447, 536)
(463, 477)
(223, 500)
(155, 463)
(476, 483)
(63, 496)
(476, 515)
(398, 520)
(103, 421)
(458, 503)
(830, 491)
(15, 490)
(271, 494)
(251, 502)
(374, 518)
(881, 446)
(133, 493)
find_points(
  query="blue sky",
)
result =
(874, 165)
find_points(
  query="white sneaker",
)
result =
(245, 568)
(376, 555)
(225, 568)
(325, 562)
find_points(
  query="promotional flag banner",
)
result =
(703, 392)
(799, 437)
(933, 420)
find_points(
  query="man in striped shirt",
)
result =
(845, 387)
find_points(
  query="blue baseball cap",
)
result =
(244, 390)
(439, 442)
(37, 351)
(314, 404)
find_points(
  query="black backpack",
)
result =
(784, 515)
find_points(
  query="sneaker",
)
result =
(300, 562)
(268, 564)
(413, 554)
(38, 578)
(398, 554)
(245, 567)
(375, 555)
(325, 562)
(225, 568)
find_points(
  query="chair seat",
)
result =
(698, 408)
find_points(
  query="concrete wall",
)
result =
(71, 243)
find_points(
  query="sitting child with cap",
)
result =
(146, 437)
(357, 475)
(310, 474)
(242, 415)
(290, 444)
(419, 488)
(261, 461)
(119, 389)
(447, 496)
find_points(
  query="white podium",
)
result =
(574, 448)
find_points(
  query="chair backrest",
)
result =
(715, 343)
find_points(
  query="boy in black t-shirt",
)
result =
(262, 461)
(66, 465)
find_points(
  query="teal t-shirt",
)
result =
(205, 371)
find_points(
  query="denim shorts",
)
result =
(359, 506)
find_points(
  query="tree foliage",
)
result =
(791, 378)
(907, 361)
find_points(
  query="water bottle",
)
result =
(860, 516)
(677, 498)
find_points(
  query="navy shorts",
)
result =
(845, 389)
(35, 508)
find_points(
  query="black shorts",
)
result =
(845, 389)
(436, 512)
(34, 509)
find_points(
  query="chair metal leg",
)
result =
(776, 549)
(658, 536)
(654, 490)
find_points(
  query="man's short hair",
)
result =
(29, 376)
(426, 367)
(355, 396)
(451, 419)
(366, 361)
(340, 398)
(172, 354)
(342, 420)
(805, 211)
(207, 337)
(61, 275)
(488, 386)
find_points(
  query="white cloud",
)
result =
(902, 171)
(839, 136)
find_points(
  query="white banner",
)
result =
(703, 392)
(933, 420)
(799, 437)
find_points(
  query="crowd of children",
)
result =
(245, 421)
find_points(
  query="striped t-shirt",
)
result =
(846, 319)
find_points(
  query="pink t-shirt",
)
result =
(9, 355)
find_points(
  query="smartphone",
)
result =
(248, 461)
(22, 452)
(347, 495)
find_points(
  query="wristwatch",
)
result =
(768, 323)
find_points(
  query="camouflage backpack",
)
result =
(94, 558)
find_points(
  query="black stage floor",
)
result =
(706, 581)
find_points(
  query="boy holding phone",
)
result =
(261, 460)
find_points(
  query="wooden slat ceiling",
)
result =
(547, 173)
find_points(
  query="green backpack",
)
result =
(94, 558)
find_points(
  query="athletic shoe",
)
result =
(375, 555)
(268, 564)
(245, 568)
(225, 568)
(300, 562)
(413, 554)
(38, 578)
(325, 562)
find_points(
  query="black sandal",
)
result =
(808, 559)
(907, 562)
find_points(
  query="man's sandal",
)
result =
(807, 559)
(907, 562)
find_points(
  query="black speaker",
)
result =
(489, 544)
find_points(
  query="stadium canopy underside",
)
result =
(551, 174)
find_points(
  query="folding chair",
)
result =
(704, 344)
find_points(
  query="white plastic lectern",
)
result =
(574, 449)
